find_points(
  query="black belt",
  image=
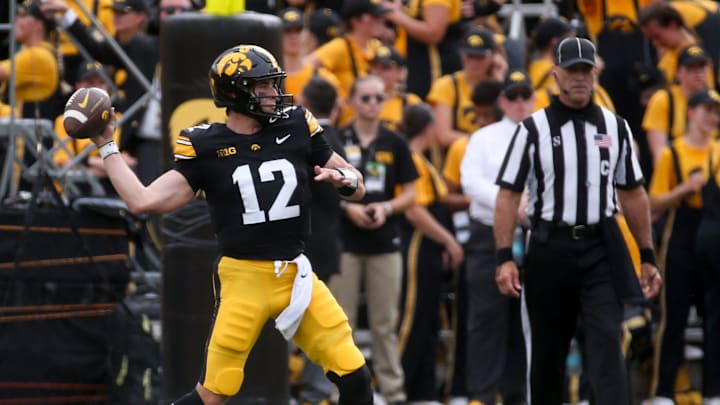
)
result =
(571, 232)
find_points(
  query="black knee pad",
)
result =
(354, 387)
(191, 398)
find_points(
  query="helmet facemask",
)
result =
(280, 102)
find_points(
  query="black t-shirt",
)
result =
(385, 164)
(257, 186)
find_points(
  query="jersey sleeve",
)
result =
(186, 159)
(516, 165)
(628, 173)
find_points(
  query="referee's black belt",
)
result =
(569, 232)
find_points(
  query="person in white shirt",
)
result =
(495, 350)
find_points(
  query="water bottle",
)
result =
(518, 246)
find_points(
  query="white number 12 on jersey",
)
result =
(279, 208)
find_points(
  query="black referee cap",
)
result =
(572, 51)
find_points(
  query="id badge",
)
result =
(375, 177)
(353, 154)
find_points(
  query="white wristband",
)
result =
(108, 149)
(388, 208)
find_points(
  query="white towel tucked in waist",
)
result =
(289, 319)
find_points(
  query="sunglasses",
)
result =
(175, 10)
(379, 98)
(523, 93)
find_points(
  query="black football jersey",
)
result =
(257, 186)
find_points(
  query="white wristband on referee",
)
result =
(108, 149)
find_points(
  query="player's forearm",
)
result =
(126, 183)
(506, 211)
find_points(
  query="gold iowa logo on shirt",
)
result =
(232, 63)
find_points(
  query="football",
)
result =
(87, 112)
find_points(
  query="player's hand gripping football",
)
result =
(107, 135)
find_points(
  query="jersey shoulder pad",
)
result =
(184, 147)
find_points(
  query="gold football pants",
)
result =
(247, 294)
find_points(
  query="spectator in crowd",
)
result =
(130, 20)
(704, 18)
(371, 253)
(433, 31)
(680, 175)
(389, 65)
(71, 57)
(707, 241)
(320, 97)
(495, 349)
(666, 112)
(37, 71)
(484, 96)
(450, 95)
(294, 52)
(348, 57)
(541, 50)
(323, 25)
(429, 249)
(668, 31)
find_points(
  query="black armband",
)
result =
(503, 255)
(647, 255)
(347, 191)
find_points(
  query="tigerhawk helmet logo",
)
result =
(235, 62)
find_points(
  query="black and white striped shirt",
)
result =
(571, 161)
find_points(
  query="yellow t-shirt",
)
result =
(690, 159)
(104, 14)
(453, 159)
(428, 183)
(344, 58)
(540, 71)
(694, 12)
(391, 114)
(295, 82)
(36, 72)
(454, 7)
(657, 112)
(443, 91)
(592, 12)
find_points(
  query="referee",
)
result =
(578, 163)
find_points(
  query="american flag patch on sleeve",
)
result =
(603, 140)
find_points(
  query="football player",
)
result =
(255, 171)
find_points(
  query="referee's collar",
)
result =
(563, 113)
